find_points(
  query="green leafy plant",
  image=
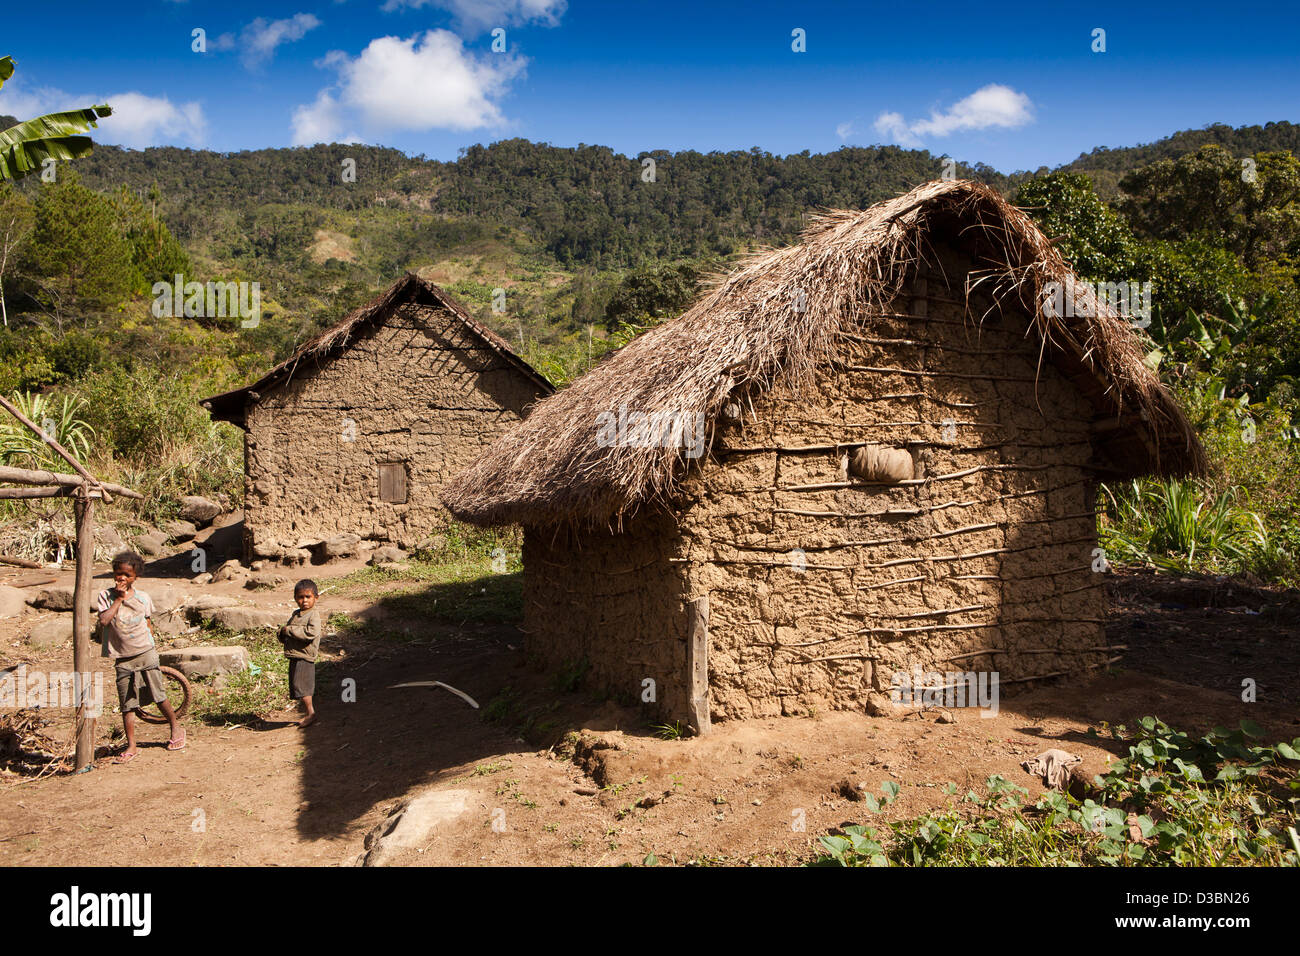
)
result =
(22, 447)
(674, 731)
(1179, 525)
(1175, 799)
(59, 136)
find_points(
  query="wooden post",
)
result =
(697, 663)
(84, 507)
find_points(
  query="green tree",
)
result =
(1250, 207)
(649, 296)
(155, 253)
(1093, 237)
(77, 252)
(15, 228)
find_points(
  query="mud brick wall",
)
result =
(981, 563)
(421, 390)
(615, 600)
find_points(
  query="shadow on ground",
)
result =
(389, 740)
(386, 739)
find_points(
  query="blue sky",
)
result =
(1016, 86)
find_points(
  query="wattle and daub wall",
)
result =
(821, 586)
(417, 393)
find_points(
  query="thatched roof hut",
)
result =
(749, 331)
(353, 435)
(230, 406)
(923, 325)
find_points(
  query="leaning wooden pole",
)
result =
(39, 476)
(62, 452)
(84, 507)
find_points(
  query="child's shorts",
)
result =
(302, 678)
(139, 681)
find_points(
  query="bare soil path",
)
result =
(594, 786)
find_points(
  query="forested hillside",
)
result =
(589, 247)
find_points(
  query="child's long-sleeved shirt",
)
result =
(301, 636)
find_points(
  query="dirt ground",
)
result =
(271, 794)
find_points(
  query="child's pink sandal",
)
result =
(177, 743)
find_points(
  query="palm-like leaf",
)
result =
(20, 446)
(58, 136)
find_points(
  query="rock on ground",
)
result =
(410, 825)
(165, 597)
(229, 571)
(13, 601)
(108, 536)
(57, 598)
(387, 554)
(246, 618)
(206, 660)
(339, 546)
(151, 545)
(265, 579)
(170, 624)
(210, 602)
(199, 510)
(179, 530)
(50, 633)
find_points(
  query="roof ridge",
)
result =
(229, 406)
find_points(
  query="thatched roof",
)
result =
(230, 406)
(550, 469)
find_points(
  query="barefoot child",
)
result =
(124, 616)
(301, 640)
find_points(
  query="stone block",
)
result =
(205, 660)
(265, 579)
(413, 825)
(339, 546)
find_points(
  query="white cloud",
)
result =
(138, 120)
(260, 38)
(320, 122)
(18, 101)
(994, 105)
(845, 130)
(893, 127)
(476, 16)
(422, 83)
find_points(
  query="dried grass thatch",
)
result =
(229, 406)
(755, 326)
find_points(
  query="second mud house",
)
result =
(869, 454)
(357, 430)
